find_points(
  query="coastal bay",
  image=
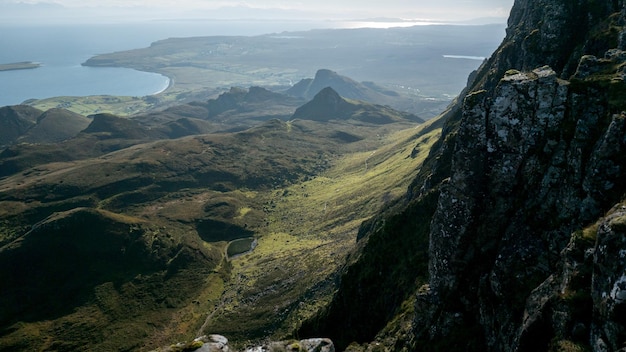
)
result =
(200, 66)
(61, 80)
(195, 64)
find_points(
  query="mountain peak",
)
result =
(326, 105)
(329, 105)
(326, 74)
(346, 87)
(328, 96)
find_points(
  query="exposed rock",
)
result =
(609, 283)
(218, 343)
(535, 158)
(318, 344)
(533, 154)
(206, 343)
(559, 309)
(213, 343)
(532, 162)
(307, 345)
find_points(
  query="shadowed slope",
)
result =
(55, 125)
(15, 121)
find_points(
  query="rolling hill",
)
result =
(130, 228)
(15, 121)
(29, 125)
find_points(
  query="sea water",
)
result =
(61, 49)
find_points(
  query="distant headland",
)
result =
(24, 65)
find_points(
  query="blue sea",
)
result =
(62, 48)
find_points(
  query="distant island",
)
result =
(24, 65)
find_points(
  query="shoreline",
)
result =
(170, 84)
(170, 80)
(22, 65)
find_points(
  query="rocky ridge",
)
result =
(530, 158)
(534, 160)
(533, 163)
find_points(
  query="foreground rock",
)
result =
(217, 343)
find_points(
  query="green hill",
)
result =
(55, 125)
(107, 278)
(15, 121)
(24, 124)
(151, 220)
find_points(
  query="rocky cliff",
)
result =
(512, 204)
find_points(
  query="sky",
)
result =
(433, 10)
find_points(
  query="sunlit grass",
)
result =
(353, 189)
(312, 226)
(305, 225)
(242, 212)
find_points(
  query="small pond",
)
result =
(240, 246)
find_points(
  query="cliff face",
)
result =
(534, 159)
(532, 156)
(533, 162)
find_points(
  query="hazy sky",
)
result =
(447, 10)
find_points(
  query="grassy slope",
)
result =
(301, 192)
(313, 226)
(120, 282)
